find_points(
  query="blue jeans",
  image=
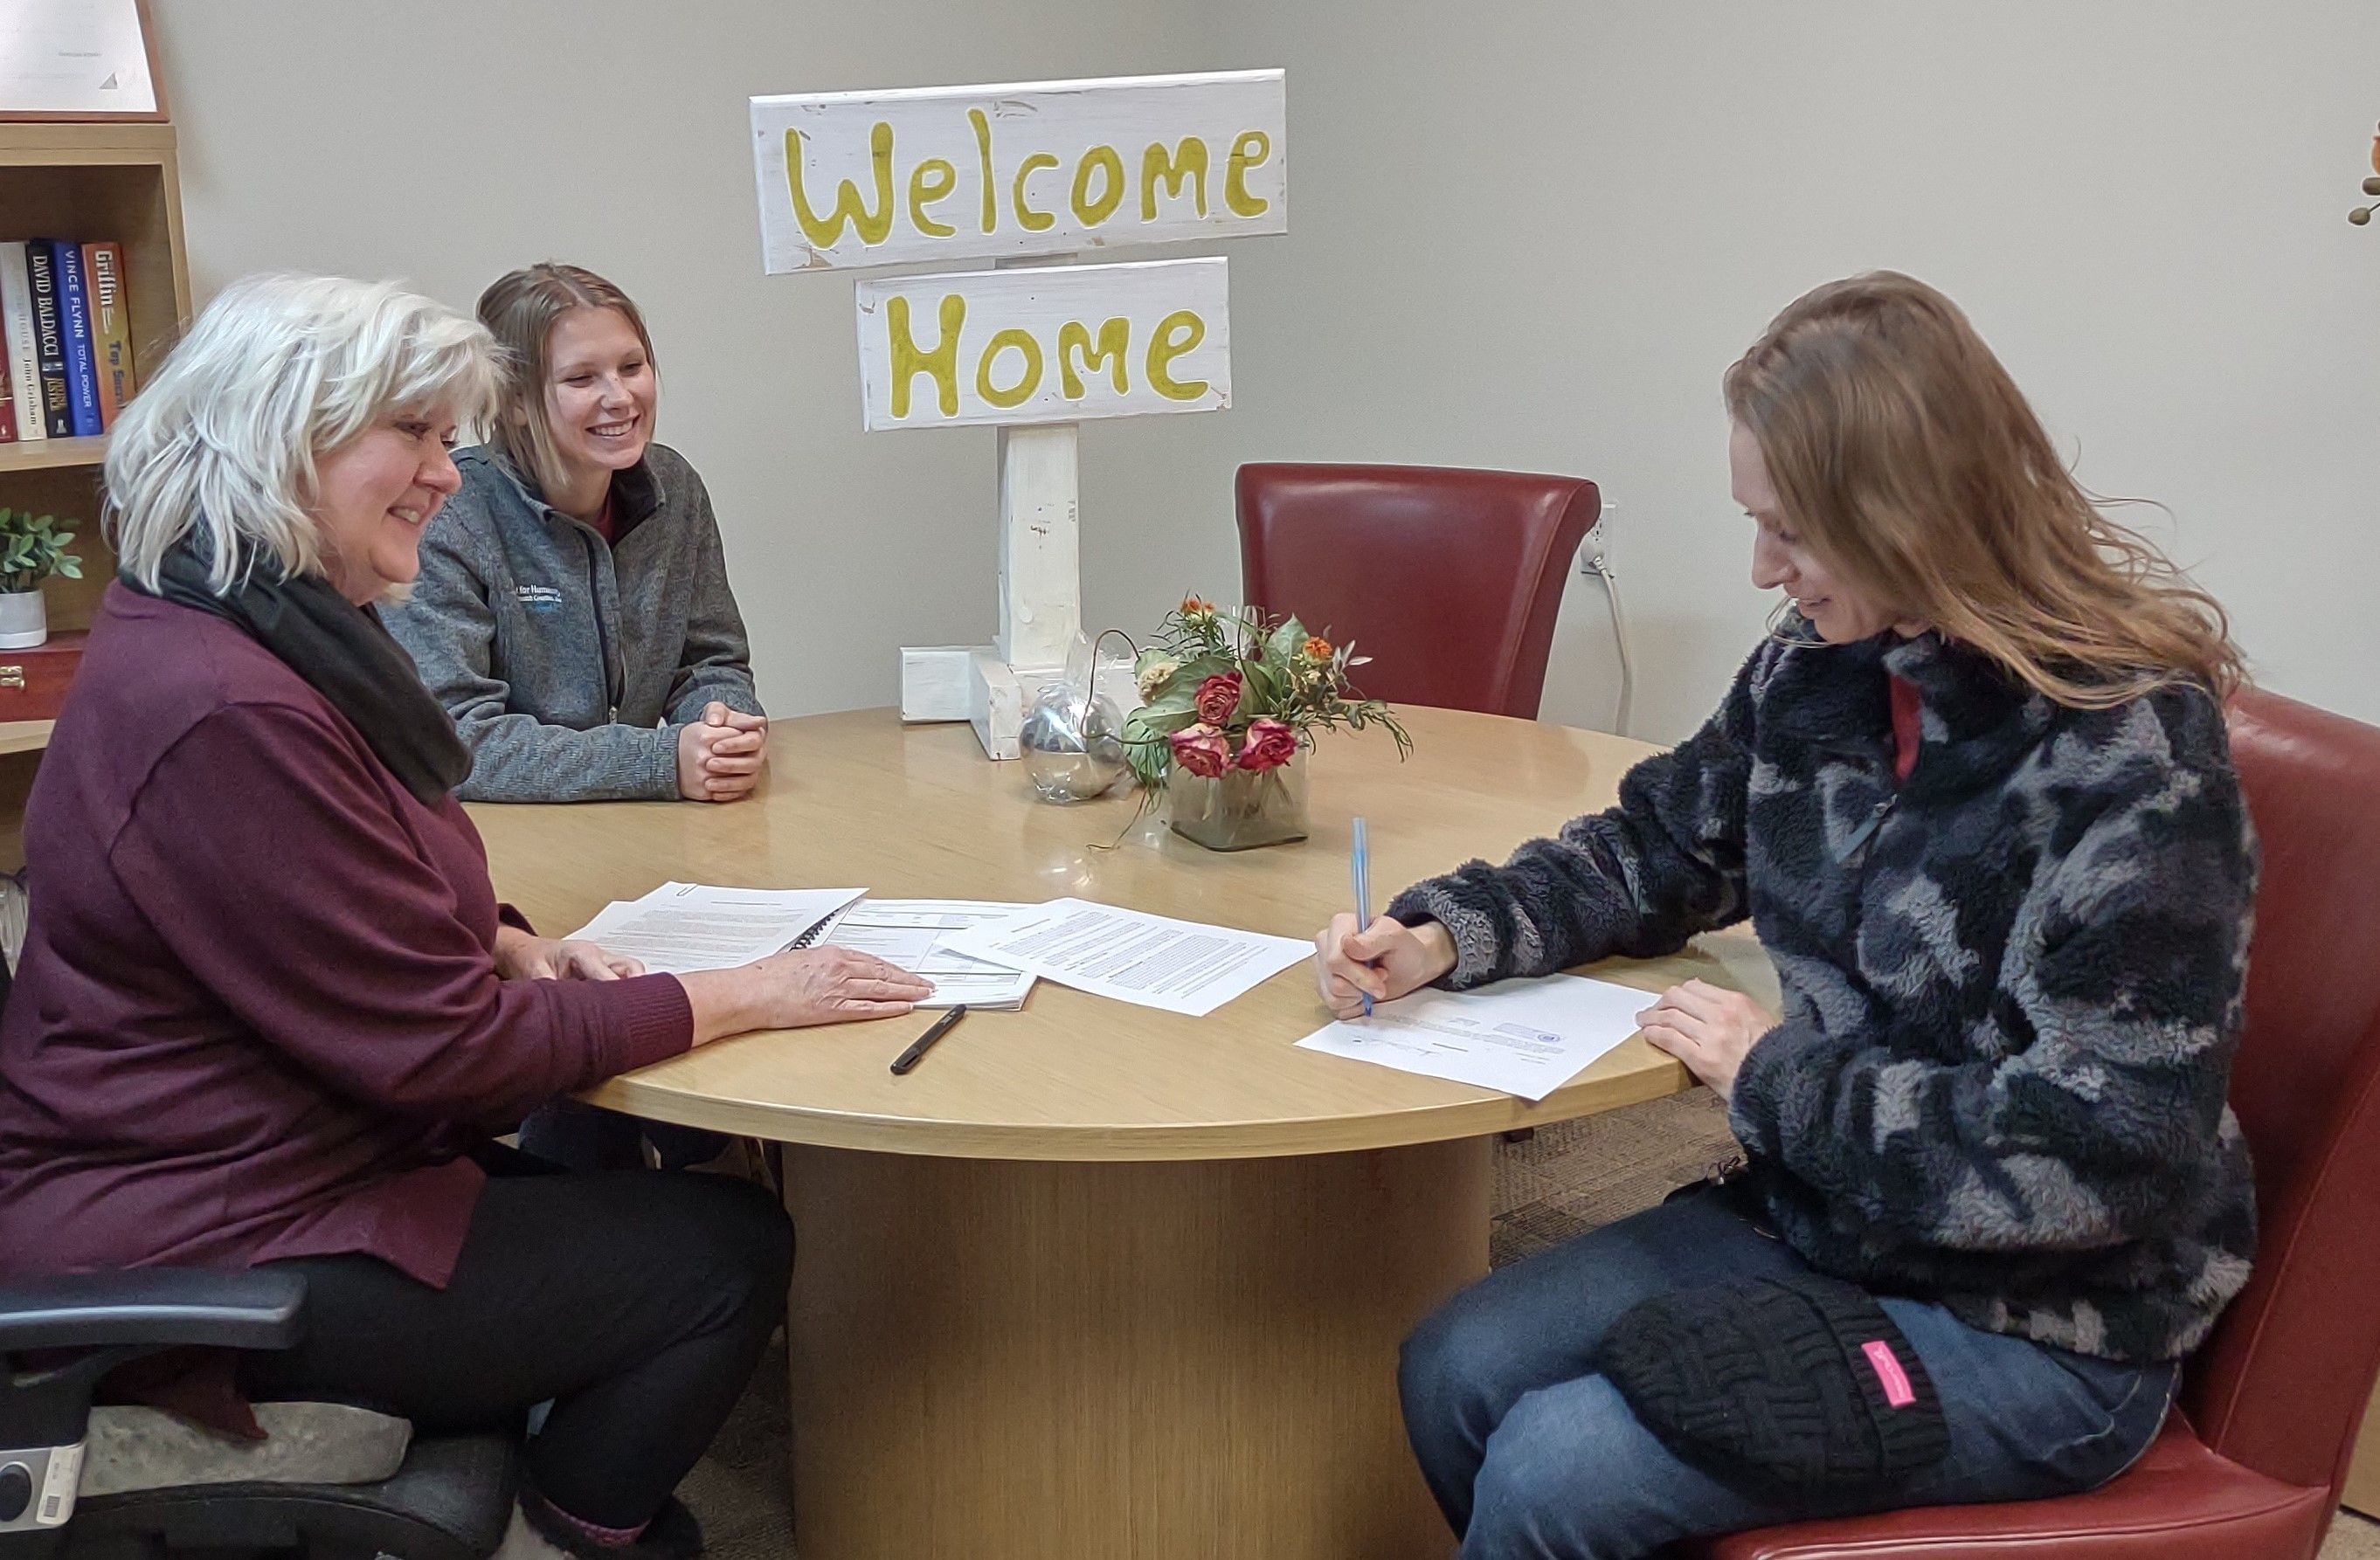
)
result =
(1530, 1455)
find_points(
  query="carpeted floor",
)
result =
(1563, 1181)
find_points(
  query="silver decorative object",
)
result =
(1072, 741)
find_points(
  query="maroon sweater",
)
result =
(258, 1013)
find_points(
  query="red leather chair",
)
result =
(1448, 579)
(2273, 1397)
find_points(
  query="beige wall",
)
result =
(449, 141)
(1524, 235)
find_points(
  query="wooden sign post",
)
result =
(850, 179)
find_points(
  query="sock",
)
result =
(589, 1534)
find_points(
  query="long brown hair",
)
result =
(1900, 447)
(520, 309)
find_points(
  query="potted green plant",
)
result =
(31, 549)
(1231, 703)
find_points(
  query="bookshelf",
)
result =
(120, 180)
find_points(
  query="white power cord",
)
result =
(1597, 565)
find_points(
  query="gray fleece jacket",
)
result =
(569, 664)
(2012, 984)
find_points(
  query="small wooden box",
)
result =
(33, 682)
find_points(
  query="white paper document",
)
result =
(1154, 960)
(681, 928)
(914, 933)
(1526, 1037)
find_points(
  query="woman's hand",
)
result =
(793, 990)
(525, 956)
(1386, 959)
(720, 756)
(1709, 1029)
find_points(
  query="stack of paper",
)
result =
(1526, 1037)
(680, 927)
(914, 933)
(1154, 960)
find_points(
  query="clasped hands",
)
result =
(1706, 1027)
(720, 756)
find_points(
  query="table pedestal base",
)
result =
(1015, 1360)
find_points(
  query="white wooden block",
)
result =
(1040, 553)
(1057, 343)
(937, 681)
(1001, 692)
(946, 173)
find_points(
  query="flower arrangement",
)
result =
(31, 549)
(1227, 692)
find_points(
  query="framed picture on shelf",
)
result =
(78, 60)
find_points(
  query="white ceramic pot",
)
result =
(24, 620)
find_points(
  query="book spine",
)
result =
(110, 327)
(24, 351)
(50, 339)
(83, 363)
(7, 397)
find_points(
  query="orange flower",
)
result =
(1196, 606)
(1317, 648)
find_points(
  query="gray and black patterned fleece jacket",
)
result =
(568, 663)
(2012, 984)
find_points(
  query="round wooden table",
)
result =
(1096, 1280)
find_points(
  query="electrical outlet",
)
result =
(1592, 546)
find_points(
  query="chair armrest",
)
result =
(152, 1307)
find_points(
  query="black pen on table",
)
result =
(917, 1047)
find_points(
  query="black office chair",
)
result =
(332, 1482)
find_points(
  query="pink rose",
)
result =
(1202, 750)
(1218, 696)
(1269, 744)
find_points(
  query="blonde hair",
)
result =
(223, 442)
(1900, 447)
(519, 309)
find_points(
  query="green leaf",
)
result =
(1262, 688)
(1286, 641)
(1194, 672)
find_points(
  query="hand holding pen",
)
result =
(1357, 966)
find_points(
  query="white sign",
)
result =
(1055, 343)
(968, 173)
(74, 57)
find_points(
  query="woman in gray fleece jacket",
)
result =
(573, 615)
(1976, 798)
(573, 612)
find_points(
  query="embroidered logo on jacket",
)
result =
(539, 597)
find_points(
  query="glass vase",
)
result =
(1241, 808)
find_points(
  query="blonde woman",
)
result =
(270, 1010)
(573, 612)
(1976, 798)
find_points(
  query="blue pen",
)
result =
(1363, 864)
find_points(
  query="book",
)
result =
(7, 397)
(16, 331)
(110, 327)
(50, 339)
(74, 314)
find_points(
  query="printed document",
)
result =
(1526, 1037)
(1154, 960)
(680, 927)
(914, 933)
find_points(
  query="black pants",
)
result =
(636, 1300)
(587, 1137)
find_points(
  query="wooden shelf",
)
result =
(24, 736)
(114, 180)
(45, 454)
(93, 144)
